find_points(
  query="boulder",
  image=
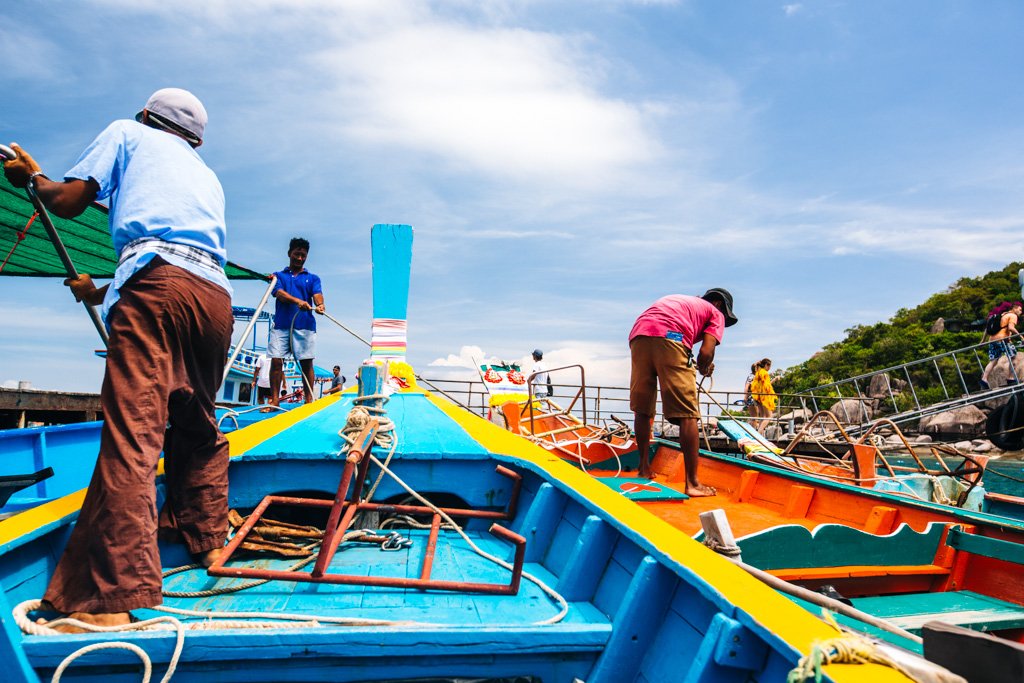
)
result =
(983, 447)
(881, 384)
(852, 411)
(939, 326)
(923, 438)
(798, 415)
(963, 445)
(1000, 376)
(967, 420)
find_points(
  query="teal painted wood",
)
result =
(391, 247)
(988, 547)
(867, 629)
(642, 490)
(834, 545)
(962, 608)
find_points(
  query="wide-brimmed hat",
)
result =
(177, 111)
(724, 295)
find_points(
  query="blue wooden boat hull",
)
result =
(645, 602)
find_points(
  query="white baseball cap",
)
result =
(178, 111)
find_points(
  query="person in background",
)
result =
(748, 401)
(762, 394)
(541, 381)
(661, 348)
(337, 381)
(298, 293)
(1006, 316)
(261, 379)
(168, 311)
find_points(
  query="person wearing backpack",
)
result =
(1000, 326)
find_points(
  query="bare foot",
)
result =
(267, 410)
(700, 491)
(101, 619)
(209, 557)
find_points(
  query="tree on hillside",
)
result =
(908, 336)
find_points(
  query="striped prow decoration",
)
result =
(389, 338)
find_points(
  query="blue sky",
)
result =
(563, 163)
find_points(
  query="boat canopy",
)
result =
(26, 250)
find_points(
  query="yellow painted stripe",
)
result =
(239, 442)
(778, 614)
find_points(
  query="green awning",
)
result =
(87, 239)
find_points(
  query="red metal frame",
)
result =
(344, 508)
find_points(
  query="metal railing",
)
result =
(916, 389)
(926, 387)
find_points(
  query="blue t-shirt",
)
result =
(302, 285)
(160, 188)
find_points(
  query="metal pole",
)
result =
(8, 154)
(249, 327)
(69, 266)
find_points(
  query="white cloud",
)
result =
(511, 103)
(792, 8)
(467, 357)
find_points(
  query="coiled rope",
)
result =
(846, 649)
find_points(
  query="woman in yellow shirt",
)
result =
(760, 394)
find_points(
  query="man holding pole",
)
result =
(298, 293)
(168, 311)
(661, 347)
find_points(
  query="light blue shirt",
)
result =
(160, 188)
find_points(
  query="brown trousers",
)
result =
(169, 338)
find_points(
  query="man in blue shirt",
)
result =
(298, 294)
(168, 311)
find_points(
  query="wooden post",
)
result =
(718, 532)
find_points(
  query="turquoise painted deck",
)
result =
(454, 560)
(642, 490)
(963, 608)
(424, 431)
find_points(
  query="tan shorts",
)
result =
(659, 360)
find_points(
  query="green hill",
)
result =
(908, 336)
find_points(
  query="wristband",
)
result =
(32, 176)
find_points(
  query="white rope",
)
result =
(386, 437)
(234, 414)
(147, 663)
(20, 613)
